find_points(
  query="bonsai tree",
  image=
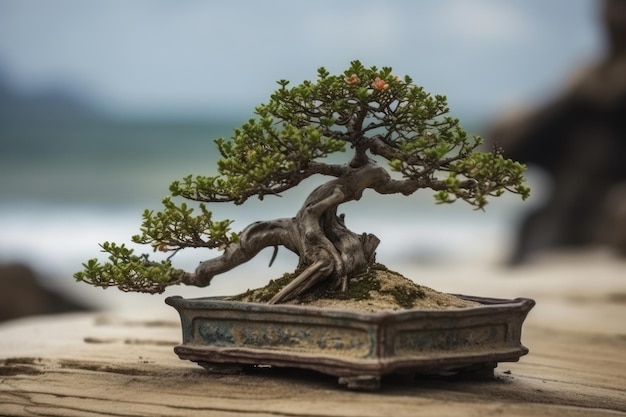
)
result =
(396, 139)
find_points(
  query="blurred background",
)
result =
(104, 103)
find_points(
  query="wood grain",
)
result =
(123, 365)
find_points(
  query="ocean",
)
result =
(67, 186)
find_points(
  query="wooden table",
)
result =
(108, 364)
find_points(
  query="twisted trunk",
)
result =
(327, 249)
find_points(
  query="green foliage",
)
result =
(310, 121)
(171, 230)
(491, 174)
(369, 110)
(129, 272)
(175, 228)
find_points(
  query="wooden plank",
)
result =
(125, 368)
(123, 365)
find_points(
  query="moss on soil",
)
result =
(377, 289)
(264, 294)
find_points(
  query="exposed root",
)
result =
(309, 277)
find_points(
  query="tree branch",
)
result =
(254, 238)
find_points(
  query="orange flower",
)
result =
(380, 85)
(353, 80)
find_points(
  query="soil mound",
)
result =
(376, 290)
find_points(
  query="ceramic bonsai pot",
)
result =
(358, 347)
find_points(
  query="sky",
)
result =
(194, 58)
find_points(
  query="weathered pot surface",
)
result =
(358, 347)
